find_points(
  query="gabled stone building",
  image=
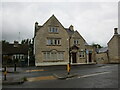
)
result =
(114, 47)
(56, 45)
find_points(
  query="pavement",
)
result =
(19, 77)
(13, 81)
(64, 76)
(11, 77)
(15, 77)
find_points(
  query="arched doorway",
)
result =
(74, 50)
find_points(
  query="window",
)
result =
(53, 41)
(60, 56)
(82, 54)
(18, 56)
(53, 56)
(22, 57)
(14, 57)
(53, 29)
(76, 41)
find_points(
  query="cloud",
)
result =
(94, 20)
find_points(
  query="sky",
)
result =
(95, 21)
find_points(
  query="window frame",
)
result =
(53, 42)
(82, 54)
(76, 41)
(53, 56)
(53, 29)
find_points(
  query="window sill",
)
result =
(82, 57)
(53, 33)
(53, 60)
(53, 45)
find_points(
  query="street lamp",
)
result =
(69, 51)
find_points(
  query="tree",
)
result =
(30, 43)
(97, 45)
(5, 42)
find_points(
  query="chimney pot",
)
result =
(36, 25)
(36, 22)
(16, 43)
(71, 28)
(115, 31)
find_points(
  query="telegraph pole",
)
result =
(19, 37)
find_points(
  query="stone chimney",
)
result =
(16, 43)
(36, 25)
(71, 28)
(115, 31)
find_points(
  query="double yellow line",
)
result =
(34, 70)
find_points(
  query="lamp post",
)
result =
(69, 51)
(69, 64)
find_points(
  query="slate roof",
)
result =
(104, 49)
(70, 32)
(10, 49)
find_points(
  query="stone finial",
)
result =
(115, 30)
(71, 28)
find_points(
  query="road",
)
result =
(88, 76)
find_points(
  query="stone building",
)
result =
(114, 47)
(102, 56)
(56, 45)
(14, 51)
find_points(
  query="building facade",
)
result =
(12, 52)
(56, 45)
(114, 47)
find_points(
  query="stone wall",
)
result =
(102, 58)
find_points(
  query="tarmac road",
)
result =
(89, 76)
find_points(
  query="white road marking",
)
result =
(69, 78)
(108, 66)
(93, 74)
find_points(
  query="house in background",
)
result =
(102, 56)
(111, 53)
(114, 47)
(16, 51)
(56, 45)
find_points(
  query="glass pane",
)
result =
(55, 42)
(53, 29)
(58, 42)
(51, 42)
